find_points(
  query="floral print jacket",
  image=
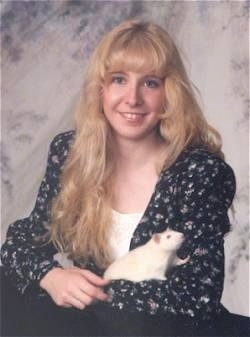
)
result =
(192, 196)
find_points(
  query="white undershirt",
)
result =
(122, 230)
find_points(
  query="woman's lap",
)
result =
(20, 317)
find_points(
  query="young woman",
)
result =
(142, 159)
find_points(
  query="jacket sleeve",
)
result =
(26, 261)
(202, 195)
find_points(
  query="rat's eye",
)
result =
(168, 236)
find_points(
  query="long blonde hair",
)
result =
(81, 213)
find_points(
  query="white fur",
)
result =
(149, 261)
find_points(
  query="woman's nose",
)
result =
(133, 96)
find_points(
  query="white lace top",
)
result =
(122, 230)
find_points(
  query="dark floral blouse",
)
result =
(193, 196)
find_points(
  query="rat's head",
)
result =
(169, 240)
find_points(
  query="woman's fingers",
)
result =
(92, 284)
(79, 298)
(79, 302)
(74, 287)
(94, 292)
(93, 278)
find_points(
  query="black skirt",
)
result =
(23, 317)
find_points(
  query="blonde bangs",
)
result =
(137, 53)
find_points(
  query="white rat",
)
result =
(149, 261)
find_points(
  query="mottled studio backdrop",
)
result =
(45, 46)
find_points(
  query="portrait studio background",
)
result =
(45, 47)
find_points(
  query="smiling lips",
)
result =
(131, 116)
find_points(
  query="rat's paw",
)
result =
(180, 262)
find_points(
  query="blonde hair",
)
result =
(81, 213)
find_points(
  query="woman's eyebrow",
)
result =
(154, 77)
(117, 72)
(143, 77)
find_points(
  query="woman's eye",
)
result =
(152, 84)
(118, 79)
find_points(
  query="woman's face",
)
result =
(132, 103)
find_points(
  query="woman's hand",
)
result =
(74, 287)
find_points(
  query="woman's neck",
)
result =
(136, 174)
(137, 153)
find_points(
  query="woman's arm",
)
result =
(30, 265)
(203, 193)
(25, 261)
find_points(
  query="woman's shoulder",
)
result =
(196, 165)
(197, 170)
(198, 159)
(63, 139)
(59, 148)
(62, 142)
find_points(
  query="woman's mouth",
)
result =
(131, 116)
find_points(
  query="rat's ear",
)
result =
(156, 237)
